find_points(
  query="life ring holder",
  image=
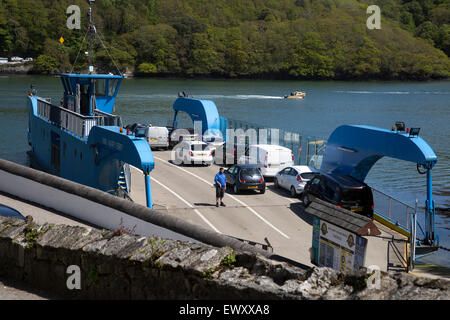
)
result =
(421, 166)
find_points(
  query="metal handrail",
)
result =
(73, 122)
(408, 210)
(406, 205)
(296, 141)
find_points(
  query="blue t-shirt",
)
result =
(221, 178)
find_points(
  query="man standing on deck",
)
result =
(220, 181)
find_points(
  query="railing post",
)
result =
(307, 150)
(407, 218)
(389, 208)
(413, 237)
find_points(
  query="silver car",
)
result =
(294, 179)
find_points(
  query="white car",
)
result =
(193, 152)
(294, 178)
(214, 139)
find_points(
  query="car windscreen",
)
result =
(250, 172)
(199, 147)
(308, 175)
(140, 132)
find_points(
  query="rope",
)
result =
(106, 49)
(76, 59)
(443, 248)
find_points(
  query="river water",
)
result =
(328, 104)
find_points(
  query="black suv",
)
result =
(341, 190)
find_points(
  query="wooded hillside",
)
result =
(302, 39)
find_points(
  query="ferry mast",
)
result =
(92, 31)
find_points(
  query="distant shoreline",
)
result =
(25, 69)
(16, 69)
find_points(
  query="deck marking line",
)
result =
(188, 204)
(231, 196)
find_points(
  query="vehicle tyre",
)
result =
(275, 183)
(293, 192)
(235, 189)
(262, 191)
(305, 199)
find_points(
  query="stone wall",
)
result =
(20, 68)
(115, 265)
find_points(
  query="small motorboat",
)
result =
(296, 95)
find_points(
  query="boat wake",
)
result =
(241, 97)
(208, 97)
(395, 92)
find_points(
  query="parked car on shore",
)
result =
(242, 177)
(341, 190)
(294, 179)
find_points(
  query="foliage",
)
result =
(46, 65)
(301, 39)
(229, 260)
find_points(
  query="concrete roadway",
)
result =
(188, 192)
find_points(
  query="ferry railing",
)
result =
(75, 123)
(105, 119)
(396, 211)
(306, 149)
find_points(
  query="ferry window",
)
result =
(112, 86)
(100, 87)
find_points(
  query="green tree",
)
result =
(147, 68)
(429, 32)
(6, 39)
(46, 65)
(366, 61)
(310, 59)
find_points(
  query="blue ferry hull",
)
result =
(81, 148)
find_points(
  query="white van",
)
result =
(157, 137)
(270, 159)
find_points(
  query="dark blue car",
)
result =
(10, 212)
(245, 177)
